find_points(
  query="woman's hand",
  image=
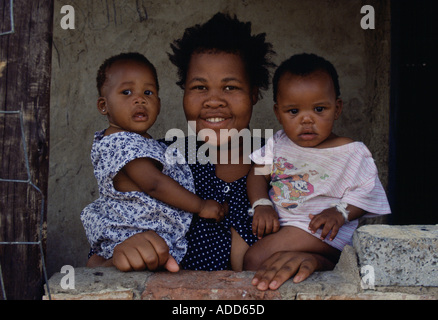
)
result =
(146, 250)
(283, 265)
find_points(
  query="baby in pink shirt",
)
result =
(308, 186)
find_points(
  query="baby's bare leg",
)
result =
(287, 239)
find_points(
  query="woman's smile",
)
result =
(218, 94)
(214, 120)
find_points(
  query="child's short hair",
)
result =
(302, 65)
(129, 56)
(225, 34)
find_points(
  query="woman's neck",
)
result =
(233, 161)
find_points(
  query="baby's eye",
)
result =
(126, 92)
(319, 109)
(293, 111)
(148, 93)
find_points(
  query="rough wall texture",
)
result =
(330, 28)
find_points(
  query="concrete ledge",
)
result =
(98, 284)
(400, 256)
(342, 283)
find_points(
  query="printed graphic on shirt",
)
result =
(291, 184)
(281, 166)
(289, 192)
(288, 188)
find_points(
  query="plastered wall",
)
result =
(330, 28)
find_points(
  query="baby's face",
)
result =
(307, 108)
(130, 97)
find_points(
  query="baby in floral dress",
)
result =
(141, 186)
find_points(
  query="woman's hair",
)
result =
(223, 33)
(302, 65)
(129, 56)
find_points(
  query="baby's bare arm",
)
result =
(332, 220)
(265, 219)
(257, 183)
(147, 175)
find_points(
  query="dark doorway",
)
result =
(414, 112)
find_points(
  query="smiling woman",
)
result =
(222, 68)
(218, 94)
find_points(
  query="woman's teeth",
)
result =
(215, 119)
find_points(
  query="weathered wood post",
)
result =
(25, 63)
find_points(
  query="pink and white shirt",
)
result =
(309, 180)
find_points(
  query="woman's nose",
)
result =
(214, 100)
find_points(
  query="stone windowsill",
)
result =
(404, 260)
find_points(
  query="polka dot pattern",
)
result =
(210, 242)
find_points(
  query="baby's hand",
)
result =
(265, 221)
(211, 209)
(329, 220)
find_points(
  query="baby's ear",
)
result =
(339, 106)
(101, 106)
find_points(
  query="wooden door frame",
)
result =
(24, 88)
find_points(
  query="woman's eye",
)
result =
(319, 109)
(199, 88)
(230, 88)
(126, 92)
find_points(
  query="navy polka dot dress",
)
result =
(210, 242)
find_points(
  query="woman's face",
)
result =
(218, 94)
